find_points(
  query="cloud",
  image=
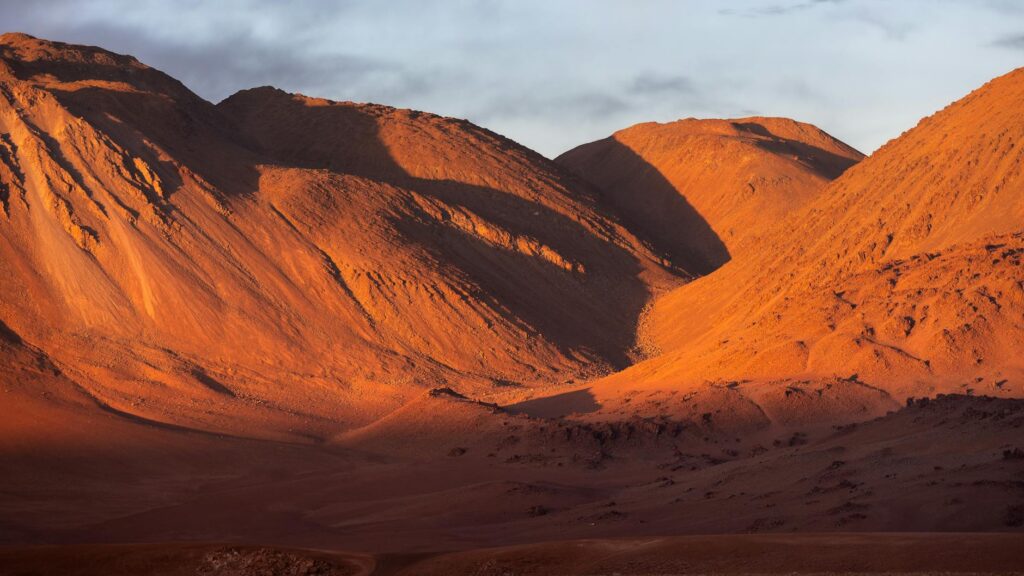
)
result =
(217, 68)
(683, 95)
(552, 74)
(580, 105)
(644, 94)
(856, 12)
(1012, 42)
(799, 89)
(777, 9)
(646, 84)
(1008, 7)
(217, 58)
(892, 29)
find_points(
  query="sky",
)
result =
(553, 74)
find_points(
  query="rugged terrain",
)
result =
(282, 323)
(705, 190)
(901, 278)
(280, 266)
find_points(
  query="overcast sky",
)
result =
(554, 74)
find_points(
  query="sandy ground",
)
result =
(902, 553)
(518, 480)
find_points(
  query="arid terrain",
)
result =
(286, 335)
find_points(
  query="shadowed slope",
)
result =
(293, 266)
(287, 321)
(701, 189)
(904, 274)
(501, 213)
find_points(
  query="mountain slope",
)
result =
(903, 275)
(307, 323)
(701, 190)
(284, 266)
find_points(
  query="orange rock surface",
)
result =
(290, 322)
(278, 265)
(900, 278)
(702, 190)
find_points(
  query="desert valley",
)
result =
(286, 335)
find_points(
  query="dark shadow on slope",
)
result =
(206, 380)
(136, 105)
(558, 406)
(587, 315)
(649, 204)
(292, 131)
(592, 310)
(30, 57)
(192, 132)
(823, 162)
(8, 335)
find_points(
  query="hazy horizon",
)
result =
(555, 75)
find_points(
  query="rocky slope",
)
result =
(315, 324)
(283, 266)
(903, 276)
(702, 190)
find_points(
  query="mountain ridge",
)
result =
(290, 321)
(914, 297)
(165, 211)
(703, 189)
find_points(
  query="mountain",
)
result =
(901, 278)
(701, 190)
(295, 266)
(281, 324)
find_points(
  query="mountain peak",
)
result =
(424, 247)
(904, 270)
(282, 317)
(28, 50)
(69, 68)
(700, 189)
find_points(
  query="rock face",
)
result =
(290, 263)
(702, 190)
(904, 274)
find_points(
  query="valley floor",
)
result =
(832, 554)
(635, 497)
